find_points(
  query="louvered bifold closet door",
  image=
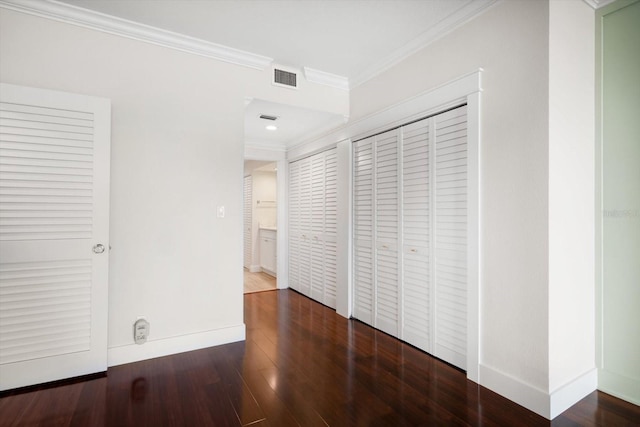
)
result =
(54, 193)
(363, 193)
(305, 227)
(330, 226)
(317, 227)
(387, 227)
(451, 236)
(416, 235)
(294, 225)
(247, 220)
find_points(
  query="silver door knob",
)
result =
(98, 249)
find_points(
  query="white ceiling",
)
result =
(343, 37)
(293, 123)
(355, 39)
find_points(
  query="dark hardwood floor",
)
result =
(300, 365)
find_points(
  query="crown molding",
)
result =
(74, 15)
(327, 79)
(597, 4)
(453, 21)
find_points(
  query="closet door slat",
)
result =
(330, 226)
(416, 235)
(451, 236)
(387, 232)
(294, 225)
(363, 266)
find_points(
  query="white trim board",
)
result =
(618, 385)
(81, 17)
(168, 346)
(327, 79)
(548, 405)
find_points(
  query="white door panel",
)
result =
(54, 209)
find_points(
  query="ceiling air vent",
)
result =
(285, 78)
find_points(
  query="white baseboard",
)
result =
(255, 269)
(621, 386)
(569, 394)
(167, 346)
(549, 405)
(269, 272)
(523, 394)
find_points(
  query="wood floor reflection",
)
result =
(301, 365)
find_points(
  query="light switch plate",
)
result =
(220, 211)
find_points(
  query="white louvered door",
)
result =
(451, 236)
(305, 227)
(313, 226)
(54, 212)
(248, 189)
(410, 225)
(317, 227)
(330, 226)
(416, 236)
(387, 226)
(294, 225)
(363, 266)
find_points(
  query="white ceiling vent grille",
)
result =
(285, 78)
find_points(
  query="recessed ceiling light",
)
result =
(271, 127)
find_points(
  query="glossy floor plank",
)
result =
(301, 365)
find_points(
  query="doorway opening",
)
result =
(260, 226)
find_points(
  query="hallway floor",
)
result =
(258, 282)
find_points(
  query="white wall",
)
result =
(571, 194)
(176, 154)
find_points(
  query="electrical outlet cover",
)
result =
(140, 331)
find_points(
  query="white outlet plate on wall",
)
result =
(141, 331)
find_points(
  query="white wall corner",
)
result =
(327, 79)
(180, 344)
(523, 394)
(81, 17)
(569, 394)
